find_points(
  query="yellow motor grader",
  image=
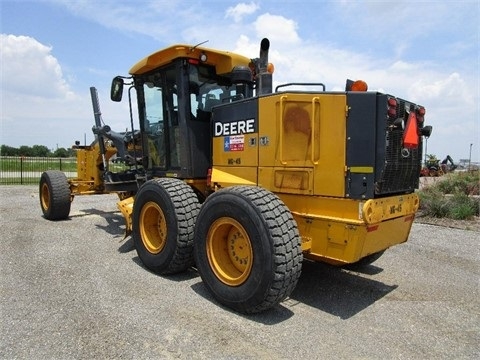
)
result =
(244, 182)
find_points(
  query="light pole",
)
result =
(470, 157)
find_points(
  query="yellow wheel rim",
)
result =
(45, 197)
(229, 251)
(153, 227)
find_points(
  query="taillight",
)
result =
(420, 114)
(392, 108)
(209, 177)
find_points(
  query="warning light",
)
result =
(359, 85)
(270, 68)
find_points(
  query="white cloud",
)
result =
(449, 90)
(240, 10)
(432, 62)
(277, 28)
(38, 105)
(30, 69)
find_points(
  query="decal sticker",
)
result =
(234, 143)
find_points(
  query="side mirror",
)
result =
(116, 91)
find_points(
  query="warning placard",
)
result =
(234, 143)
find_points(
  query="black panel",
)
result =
(361, 129)
(200, 148)
(238, 111)
(361, 144)
(376, 141)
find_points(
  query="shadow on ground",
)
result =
(337, 291)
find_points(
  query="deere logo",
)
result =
(234, 127)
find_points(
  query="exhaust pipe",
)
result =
(264, 78)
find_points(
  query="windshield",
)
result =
(161, 120)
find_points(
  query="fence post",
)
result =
(60, 164)
(21, 170)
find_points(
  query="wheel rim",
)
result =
(153, 227)
(45, 196)
(229, 251)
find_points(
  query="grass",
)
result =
(16, 170)
(26, 164)
(454, 197)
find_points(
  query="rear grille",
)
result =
(401, 169)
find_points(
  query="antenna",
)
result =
(194, 47)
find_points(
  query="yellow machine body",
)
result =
(223, 173)
(293, 144)
(298, 151)
(89, 178)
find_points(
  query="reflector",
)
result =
(410, 135)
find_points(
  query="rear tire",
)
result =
(164, 214)
(55, 197)
(247, 248)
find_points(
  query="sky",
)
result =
(53, 51)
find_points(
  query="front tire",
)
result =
(247, 248)
(164, 214)
(55, 197)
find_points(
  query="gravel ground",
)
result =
(76, 289)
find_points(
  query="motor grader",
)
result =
(244, 183)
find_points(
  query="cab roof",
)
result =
(224, 61)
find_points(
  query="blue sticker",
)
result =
(226, 143)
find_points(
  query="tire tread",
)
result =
(186, 207)
(287, 255)
(60, 197)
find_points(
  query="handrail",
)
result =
(300, 84)
(312, 126)
(280, 140)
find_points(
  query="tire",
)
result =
(247, 248)
(164, 214)
(55, 196)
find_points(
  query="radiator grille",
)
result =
(401, 169)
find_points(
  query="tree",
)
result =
(25, 150)
(61, 152)
(6, 150)
(40, 151)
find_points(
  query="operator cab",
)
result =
(175, 101)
